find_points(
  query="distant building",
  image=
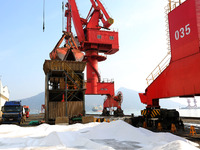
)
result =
(4, 95)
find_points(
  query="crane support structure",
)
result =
(92, 40)
(182, 76)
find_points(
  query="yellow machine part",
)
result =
(153, 113)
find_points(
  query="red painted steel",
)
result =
(106, 41)
(77, 20)
(69, 16)
(109, 21)
(181, 77)
(183, 30)
(96, 41)
(93, 41)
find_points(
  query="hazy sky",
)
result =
(24, 46)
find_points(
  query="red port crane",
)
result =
(181, 77)
(93, 39)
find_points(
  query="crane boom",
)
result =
(92, 41)
(77, 20)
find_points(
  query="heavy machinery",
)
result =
(13, 112)
(92, 39)
(179, 78)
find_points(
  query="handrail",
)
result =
(174, 3)
(76, 79)
(165, 62)
(167, 10)
(159, 69)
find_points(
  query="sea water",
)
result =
(189, 112)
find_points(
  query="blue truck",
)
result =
(13, 112)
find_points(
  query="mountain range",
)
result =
(131, 100)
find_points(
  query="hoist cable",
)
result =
(43, 15)
(63, 16)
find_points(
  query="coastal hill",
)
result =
(130, 101)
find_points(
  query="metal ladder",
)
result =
(74, 79)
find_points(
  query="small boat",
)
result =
(98, 108)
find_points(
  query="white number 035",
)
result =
(182, 32)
